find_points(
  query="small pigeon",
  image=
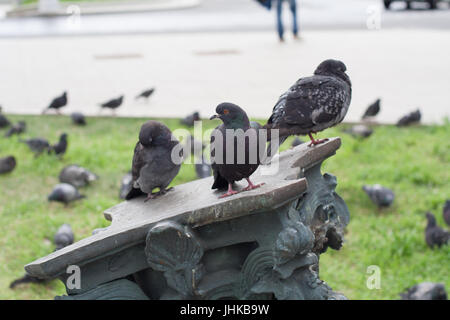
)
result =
(17, 128)
(203, 169)
(126, 185)
(57, 103)
(153, 166)
(372, 110)
(26, 279)
(193, 146)
(63, 237)
(113, 104)
(425, 291)
(60, 147)
(190, 119)
(64, 193)
(411, 118)
(359, 130)
(225, 174)
(76, 176)
(435, 235)
(381, 196)
(296, 142)
(7, 164)
(312, 104)
(78, 118)
(145, 94)
(4, 122)
(37, 145)
(446, 212)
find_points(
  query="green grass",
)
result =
(414, 162)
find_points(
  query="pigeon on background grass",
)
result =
(359, 131)
(26, 279)
(113, 104)
(76, 176)
(145, 94)
(65, 193)
(372, 110)
(193, 146)
(37, 145)
(312, 104)
(59, 148)
(126, 185)
(57, 103)
(63, 237)
(203, 169)
(435, 235)
(153, 166)
(4, 122)
(381, 196)
(296, 142)
(17, 128)
(425, 291)
(411, 118)
(7, 164)
(190, 119)
(446, 212)
(225, 174)
(78, 118)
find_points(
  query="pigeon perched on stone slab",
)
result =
(425, 291)
(435, 235)
(146, 93)
(7, 164)
(76, 176)
(410, 118)
(153, 166)
(190, 119)
(57, 103)
(381, 196)
(63, 237)
(59, 148)
(227, 172)
(313, 103)
(113, 104)
(17, 128)
(65, 193)
(359, 131)
(78, 118)
(37, 145)
(4, 122)
(126, 185)
(446, 212)
(372, 110)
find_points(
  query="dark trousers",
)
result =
(293, 8)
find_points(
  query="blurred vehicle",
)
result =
(432, 3)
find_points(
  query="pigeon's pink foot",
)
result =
(314, 141)
(230, 192)
(150, 196)
(252, 186)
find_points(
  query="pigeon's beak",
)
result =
(216, 116)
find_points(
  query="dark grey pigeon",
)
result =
(78, 118)
(225, 174)
(190, 119)
(411, 118)
(76, 176)
(4, 122)
(446, 212)
(193, 146)
(37, 145)
(313, 104)
(435, 235)
(113, 104)
(381, 196)
(126, 185)
(59, 148)
(146, 93)
(372, 110)
(153, 166)
(63, 237)
(65, 193)
(7, 164)
(57, 103)
(425, 291)
(26, 279)
(296, 142)
(359, 131)
(17, 128)
(203, 169)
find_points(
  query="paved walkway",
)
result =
(407, 69)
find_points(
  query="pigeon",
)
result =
(372, 110)
(255, 125)
(113, 104)
(313, 103)
(76, 176)
(78, 118)
(193, 146)
(296, 142)
(63, 237)
(65, 193)
(425, 291)
(37, 145)
(381, 196)
(225, 174)
(126, 185)
(435, 235)
(60, 147)
(190, 119)
(411, 118)
(153, 166)
(145, 94)
(202, 169)
(17, 128)
(446, 212)
(4, 122)
(26, 279)
(7, 164)
(359, 130)
(57, 103)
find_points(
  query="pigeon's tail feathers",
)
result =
(219, 181)
(134, 193)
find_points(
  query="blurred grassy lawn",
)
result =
(414, 162)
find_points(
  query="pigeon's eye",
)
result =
(226, 111)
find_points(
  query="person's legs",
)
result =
(293, 7)
(279, 21)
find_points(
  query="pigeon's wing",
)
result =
(138, 161)
(219, 181)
